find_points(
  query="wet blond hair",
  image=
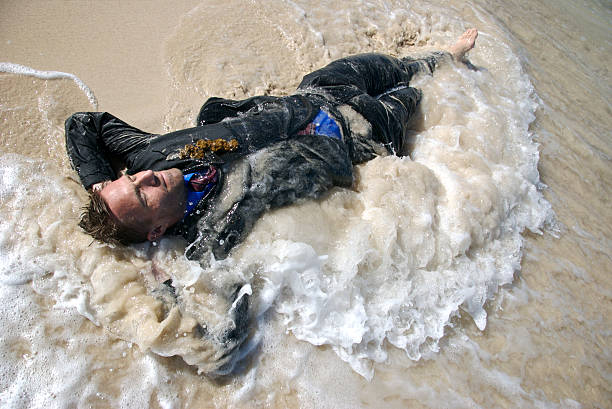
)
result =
(98, 221)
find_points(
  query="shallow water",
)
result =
(473, 273)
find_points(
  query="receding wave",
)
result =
(49, 75)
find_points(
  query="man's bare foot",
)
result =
(464, 44)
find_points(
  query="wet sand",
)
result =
(116, 47)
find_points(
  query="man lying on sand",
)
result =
(212, 182)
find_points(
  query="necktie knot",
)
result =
(198, 185)
(199, 181)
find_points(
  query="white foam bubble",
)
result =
(49, 75)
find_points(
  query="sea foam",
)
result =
(49, 75)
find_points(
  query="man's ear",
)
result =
(156, 232)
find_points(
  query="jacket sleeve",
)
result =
(218, 333)
(97, 140)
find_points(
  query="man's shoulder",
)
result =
(216, 109)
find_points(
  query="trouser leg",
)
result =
(389, 115)
(376, 86)
(371, 74)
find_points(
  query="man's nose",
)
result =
(145, 178)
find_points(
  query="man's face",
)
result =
(151, 200)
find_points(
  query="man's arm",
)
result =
(100, 144)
